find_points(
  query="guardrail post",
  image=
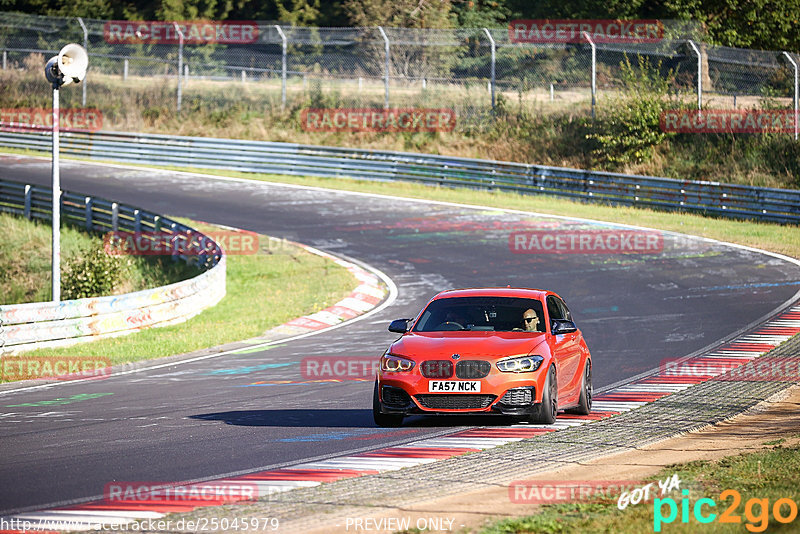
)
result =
(114, 216)
(283, 65)
(492, 67)
(125, 70)
(796, 96)
(174, 242)
(137, 221)
(180, 61)
(699, 74)
(385, 68)
(594, 71)
(5, 59)
(89, 201)
(27, 210)
(85, 47)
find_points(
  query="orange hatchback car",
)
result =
(507, 351)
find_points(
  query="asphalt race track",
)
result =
(208, 418)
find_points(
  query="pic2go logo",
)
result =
(756, 511)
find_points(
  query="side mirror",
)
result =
(562, 326)
(399, 326)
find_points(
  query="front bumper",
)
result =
(515, 401)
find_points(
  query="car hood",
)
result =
(485, 346)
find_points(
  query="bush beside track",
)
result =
(86, 270)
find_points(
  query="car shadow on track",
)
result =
(342, 419)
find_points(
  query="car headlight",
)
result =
(525, 364)
(396, 364)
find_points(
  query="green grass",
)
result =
(25, 270)
(264, 290)
(770, 474)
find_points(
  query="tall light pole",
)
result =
(69, 66)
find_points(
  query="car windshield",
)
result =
(495, 314)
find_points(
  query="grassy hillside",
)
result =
(624, 137)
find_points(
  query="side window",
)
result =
(553, 308)
(564, 310)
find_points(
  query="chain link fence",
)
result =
(471, 71)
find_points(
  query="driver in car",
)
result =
(530, 321)
(455, 317)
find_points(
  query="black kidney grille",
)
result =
(455, 401)
(436, 369)
(473, 369)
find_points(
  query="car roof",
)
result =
(518, 292)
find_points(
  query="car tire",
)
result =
(383, 419)
(546, 412)
(584, 406)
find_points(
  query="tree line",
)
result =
(764, 24)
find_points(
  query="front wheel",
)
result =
(383, 419)
(546, 411)
(584, 406)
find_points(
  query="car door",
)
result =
(576, 353)
(568, 351)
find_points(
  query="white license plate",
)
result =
(454, 386)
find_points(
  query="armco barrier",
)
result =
(50, 324)
(725, 200)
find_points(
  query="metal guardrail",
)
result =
(711, 198)
(50, 324)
